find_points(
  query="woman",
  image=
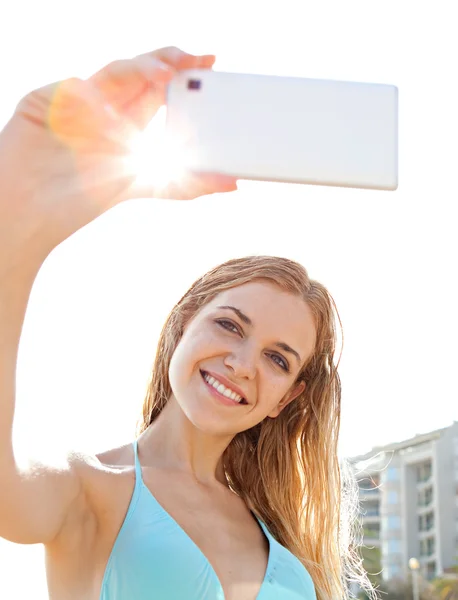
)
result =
(232, 489)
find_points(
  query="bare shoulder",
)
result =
(116, 458)
(106, 474)
(76, 559)
(104, 478)
(92, 468)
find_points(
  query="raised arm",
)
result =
(62, 164)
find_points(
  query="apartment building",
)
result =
(409, 497)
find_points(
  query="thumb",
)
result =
(187, 186)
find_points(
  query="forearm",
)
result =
(16, 283)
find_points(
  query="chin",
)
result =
(208, 421)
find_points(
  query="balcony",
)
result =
(428, 556)
(423, 506)
(428, 549)
(424, 473)
(424, 482)
(425, 533)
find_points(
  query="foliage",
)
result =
(446, 587)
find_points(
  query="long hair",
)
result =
(286, 469)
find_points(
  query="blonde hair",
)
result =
(286, 469)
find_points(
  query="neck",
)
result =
(172, 442)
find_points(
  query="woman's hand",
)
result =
(63, 153)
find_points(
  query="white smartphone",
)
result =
(286, 129)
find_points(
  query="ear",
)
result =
(290, 396)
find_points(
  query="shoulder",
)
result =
(116, 458)
(94, 474)
(106, 475)
(103, 479)
(90, 467)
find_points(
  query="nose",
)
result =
(242, 364)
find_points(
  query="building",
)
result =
(409, 499)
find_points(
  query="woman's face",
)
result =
(252, 339)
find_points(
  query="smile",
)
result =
(222, 391)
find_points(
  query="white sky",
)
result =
(388, 258)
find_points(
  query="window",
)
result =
(392, 474)
(392, 571)
(427, 547)
(390, 547)
(392, 497)
(424, 471)
(426, 522)
(425, 497)
(393, 522)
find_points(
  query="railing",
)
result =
(424, 503)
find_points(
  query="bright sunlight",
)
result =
(158, 157)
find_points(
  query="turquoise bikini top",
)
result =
(154, 559)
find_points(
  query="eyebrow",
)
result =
(249, 322)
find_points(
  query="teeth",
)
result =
(222, 389)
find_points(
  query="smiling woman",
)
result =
(244, 386)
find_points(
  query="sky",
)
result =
(388, 258)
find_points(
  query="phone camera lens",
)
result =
(194, 84)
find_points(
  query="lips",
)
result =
(227, 384)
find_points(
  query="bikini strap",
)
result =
(138, 467)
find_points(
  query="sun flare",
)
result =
(156, 159)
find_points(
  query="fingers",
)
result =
(139, 82)
(136, 88)
(132, 91)
(180, 60)
(189, 187)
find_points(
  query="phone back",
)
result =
(285, 128)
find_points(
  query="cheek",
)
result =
(190, 351)
(273, 388)
(179, 367)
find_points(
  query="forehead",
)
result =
(275, 313)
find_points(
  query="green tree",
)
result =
(395, 589)
(446, 587)
(372, 563)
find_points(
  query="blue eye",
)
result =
(280, 362)
(229, 325)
